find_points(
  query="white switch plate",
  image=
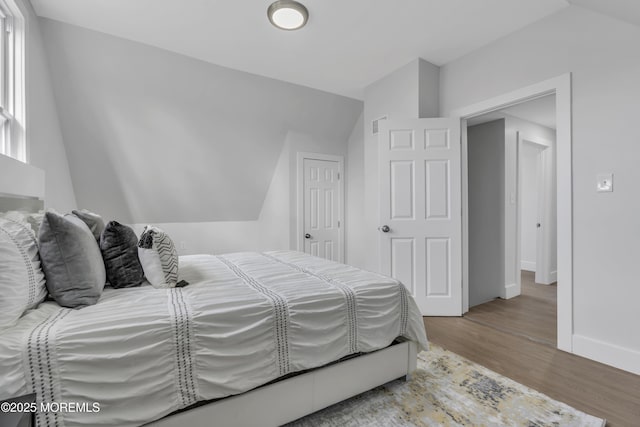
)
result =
(605, 182)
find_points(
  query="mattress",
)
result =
(244, 320)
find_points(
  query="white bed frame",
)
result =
(281, 402)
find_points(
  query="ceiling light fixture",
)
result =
(288, 14)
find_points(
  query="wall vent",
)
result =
(375, 125)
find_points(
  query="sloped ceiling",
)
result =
(626, 10)
(154, 136)
(346, 45)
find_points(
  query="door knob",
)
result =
(538, 225)
(307, 236)
(384, 229)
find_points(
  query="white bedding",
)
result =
(244, 320)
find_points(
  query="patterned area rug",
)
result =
(449, 390)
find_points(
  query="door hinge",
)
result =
(338, 223)
(338, 176)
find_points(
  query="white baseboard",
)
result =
(528, 265)
(607, 353)
(512, 290)
(549, 281)
(553, 276)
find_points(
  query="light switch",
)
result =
(605, 182)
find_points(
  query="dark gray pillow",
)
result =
(71, 261)
(119, 246)
(93, 221)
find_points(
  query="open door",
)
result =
(420, 211)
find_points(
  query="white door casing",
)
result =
(561, 86)
(420, 203)
(321, 206)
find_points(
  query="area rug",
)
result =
(449, 390)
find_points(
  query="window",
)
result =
(12, 82)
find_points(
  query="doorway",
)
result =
(561, 87)
(512, 219)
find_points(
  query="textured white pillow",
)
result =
(33, 220)
(22, 283)
(158, 257)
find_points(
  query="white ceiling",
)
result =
(541, 111)
(346, 45)
(627, 10)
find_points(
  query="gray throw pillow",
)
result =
(93, 221)
(119, 246)
(71, 261)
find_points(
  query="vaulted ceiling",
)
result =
(626, 10)
(346, 45)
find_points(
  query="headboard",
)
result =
(16, 203)
(21, 186)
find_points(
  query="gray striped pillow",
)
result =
(158, 257)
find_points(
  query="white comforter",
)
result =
(244, 320)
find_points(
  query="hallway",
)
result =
(532, 315)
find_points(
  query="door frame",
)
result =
(301, 156)
(561, 87)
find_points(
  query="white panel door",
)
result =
(420, 211)
(322, 200)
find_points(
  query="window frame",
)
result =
(13, 141)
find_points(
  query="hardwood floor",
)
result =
(531, 315)
(494, 341)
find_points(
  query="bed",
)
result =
(250, 331)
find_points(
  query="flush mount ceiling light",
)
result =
(287, 14)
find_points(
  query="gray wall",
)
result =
(602, 55)
(44, 139)
(356, 228)
(428, 89)
(153, 136)
(486, 163)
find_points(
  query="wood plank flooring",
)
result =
(532, 315)
(494, 341)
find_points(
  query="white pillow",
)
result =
(34, 220)
(158, 257)
(22, 283)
